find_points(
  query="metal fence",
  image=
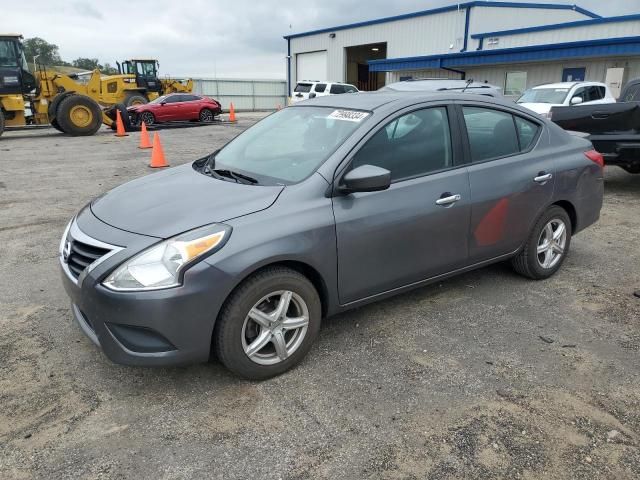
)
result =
(247, 95)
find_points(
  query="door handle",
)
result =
(451, 199)
(543, 177)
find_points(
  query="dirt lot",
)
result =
(487, 375)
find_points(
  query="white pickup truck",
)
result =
(542, 98)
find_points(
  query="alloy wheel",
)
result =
(147, 118)
(206, 116)
(275, 327)
(551, 243)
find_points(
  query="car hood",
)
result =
(539, 107)
(177, 200)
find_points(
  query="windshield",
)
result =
(544, 95)
(289, 145)
(147, 69)
(158, 100)
(8, 54)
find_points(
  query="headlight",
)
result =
(161, 265)
(63, 240)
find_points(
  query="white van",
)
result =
(306, 89)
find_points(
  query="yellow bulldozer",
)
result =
(73, 104)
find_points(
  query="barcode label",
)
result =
(348, 115)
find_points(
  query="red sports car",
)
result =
(175, 107)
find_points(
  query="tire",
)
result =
(235, 332)
(54, 124)
(147, 117)
(135, 99)
(78, 115)
(206, 116)
(52, 110)
(1, 123)
(536, 264)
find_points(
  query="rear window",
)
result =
(303, 88)
(527, 132)
(337, 89)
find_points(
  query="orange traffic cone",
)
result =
(232, 113)
(157, 155)
(145, 142)
(119, 125)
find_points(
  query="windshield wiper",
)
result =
(238, 177)
(223, 172)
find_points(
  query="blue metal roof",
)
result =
(536, 53)
(555, 26)
(478, 3)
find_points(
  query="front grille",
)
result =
(82, 255)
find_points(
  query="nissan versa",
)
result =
(318, 208)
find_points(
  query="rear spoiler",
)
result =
(578, 134)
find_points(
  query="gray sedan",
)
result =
(319, 208)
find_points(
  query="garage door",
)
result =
(312, 66)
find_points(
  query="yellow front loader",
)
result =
(46, 97)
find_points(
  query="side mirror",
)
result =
(365, 178)
(163, 103)
(312, 95)
(576, 100)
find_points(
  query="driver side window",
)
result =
(412, 145)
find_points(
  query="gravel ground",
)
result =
(487, 375)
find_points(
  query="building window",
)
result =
(515, 83)
(493, 41)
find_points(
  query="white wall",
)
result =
(574, 34)
(492, 19)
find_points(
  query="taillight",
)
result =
(595, 157)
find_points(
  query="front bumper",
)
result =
(155, 328)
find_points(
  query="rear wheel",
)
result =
(78, 115)
(268, 324)
(547, 246)
(147, 117)
(134, 99)
(1, 122)
(206, 115)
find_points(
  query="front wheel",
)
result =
(268, 324)
(147, 117)
(206, 116)
(546, 247)
(78, 115)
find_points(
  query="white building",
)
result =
(512, 45)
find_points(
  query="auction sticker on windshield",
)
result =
(348, 115)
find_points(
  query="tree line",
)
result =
(48, 54)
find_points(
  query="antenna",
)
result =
(469, 82)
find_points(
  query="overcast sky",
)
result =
(231, 38)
